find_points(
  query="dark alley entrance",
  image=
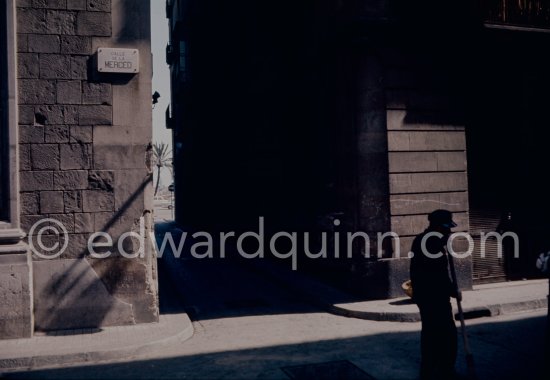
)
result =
(212, 288)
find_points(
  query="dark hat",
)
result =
(442, 218)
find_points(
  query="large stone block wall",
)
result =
(426, 147)
(84, 158)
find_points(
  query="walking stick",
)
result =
(469, 357)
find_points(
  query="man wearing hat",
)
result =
(432, 289)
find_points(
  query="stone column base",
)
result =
(16, 310)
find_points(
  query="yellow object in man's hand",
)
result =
(407, 288)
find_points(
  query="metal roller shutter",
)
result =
(491, 267)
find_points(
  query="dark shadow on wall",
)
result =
(502, 350)
(77, 291)
(86, 293)
(128, 14)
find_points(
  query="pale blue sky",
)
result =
(161, 75)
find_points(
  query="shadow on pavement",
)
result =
(502, 350)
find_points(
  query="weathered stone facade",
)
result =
(82, 147)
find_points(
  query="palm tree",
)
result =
(163, 158)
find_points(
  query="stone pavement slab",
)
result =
(94, 345)
(482, 301)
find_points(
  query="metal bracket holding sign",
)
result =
(120, 61)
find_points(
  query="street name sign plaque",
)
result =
(121, 61)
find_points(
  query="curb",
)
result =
(50, 361)
(469, 312)
(515, 307)
(281, 277)
(374, 315)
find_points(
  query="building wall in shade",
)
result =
(83, 159)
(350, 110)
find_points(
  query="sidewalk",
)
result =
(96, 345)
(93, 345)
(482, 301)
